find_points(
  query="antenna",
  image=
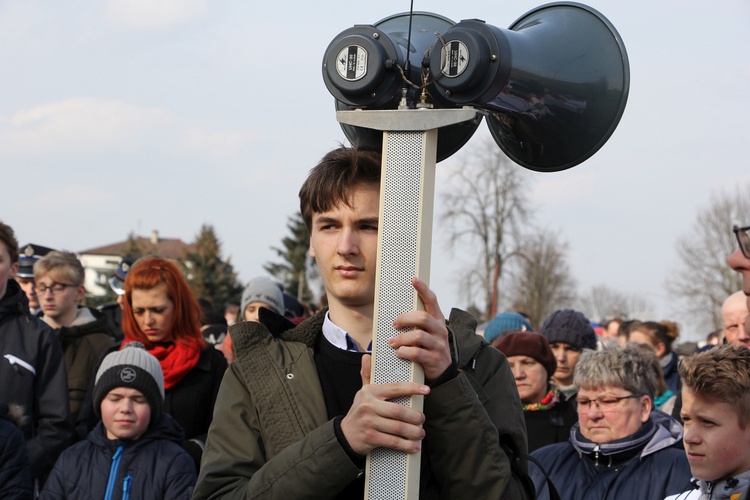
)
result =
(407, 64)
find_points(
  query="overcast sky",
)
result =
(125, 116)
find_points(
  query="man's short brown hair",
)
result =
(721, 374)
(8, 237)
(332, 180)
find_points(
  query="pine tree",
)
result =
(210, 276)
(136, 247)
(297, 266)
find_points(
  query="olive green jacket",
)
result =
(271, 436)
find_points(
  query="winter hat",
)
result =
(117, 283)
(504, 323)
(263, 289)
(529, 344)
(571, 327)
(131, 367)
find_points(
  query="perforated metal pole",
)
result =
(407, 191)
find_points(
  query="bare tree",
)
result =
(483, 212)
(542, 281)
(602, 302)
(703, 279)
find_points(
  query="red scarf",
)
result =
(176, 360)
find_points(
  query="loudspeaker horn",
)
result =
(554, 85)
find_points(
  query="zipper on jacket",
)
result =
(126, 488)
(596, 455)
(113, 472)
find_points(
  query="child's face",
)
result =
(251, 311)
(125, 413)
(715, 444)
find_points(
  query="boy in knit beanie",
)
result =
(259, 292)
(568, 333)
(134, 451)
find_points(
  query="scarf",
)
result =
(176, 360)
(548, 402)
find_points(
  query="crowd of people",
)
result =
(160, 397)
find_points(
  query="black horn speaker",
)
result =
(554, 85)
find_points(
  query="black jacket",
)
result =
(550, 426)
(84, 345)
(191, 401)
(98, 467)
(32, 375)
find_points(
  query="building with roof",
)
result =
(100, 263)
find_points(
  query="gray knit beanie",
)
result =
(262, 289)
(571, 327)
(131, 367)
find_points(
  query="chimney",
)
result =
(154, 237)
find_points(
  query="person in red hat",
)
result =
(549, 416)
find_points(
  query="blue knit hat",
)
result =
(571, 327)
(504, 323)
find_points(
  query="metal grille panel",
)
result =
(398, 259)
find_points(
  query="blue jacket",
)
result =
(647, 465)
(153, 466)
(15, 473)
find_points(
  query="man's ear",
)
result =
(14, 270)
(661, 349)
(311, 250)
(80, 293)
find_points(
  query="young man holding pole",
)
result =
(296, 414)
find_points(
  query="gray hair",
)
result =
(614, 366)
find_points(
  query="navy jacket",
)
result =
(15, 473)
(648, 465)
(152, 467)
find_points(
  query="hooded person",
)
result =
(134, 451)
(32, 370)
(568, 332)
(548, 415)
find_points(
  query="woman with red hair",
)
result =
(161, 311)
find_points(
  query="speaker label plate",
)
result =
(351, 63)
(455, 57)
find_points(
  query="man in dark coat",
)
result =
(32, 370)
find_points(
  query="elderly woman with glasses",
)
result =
(620, 448)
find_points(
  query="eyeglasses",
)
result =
(56, 288)
(743, 239)
(604, 405)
